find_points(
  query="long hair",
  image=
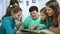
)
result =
(53, 5)
(15, 9)
(59, 11)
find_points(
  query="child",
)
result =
(43, 16)
(16, 3)
(57, 29)
(8, 22)
(52, 9)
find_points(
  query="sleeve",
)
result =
(7, 26)
(43, 26)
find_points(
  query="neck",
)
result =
(37, 16)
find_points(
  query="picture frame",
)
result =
(33, 1)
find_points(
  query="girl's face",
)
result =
(59, 18)
(43, 16)
(16, 15)
(49, 11)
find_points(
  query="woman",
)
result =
(54, 29)
(8, 22)
(52, 8)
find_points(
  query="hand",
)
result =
(39, 28)
(33, 27)
(17, 26)
(20, 29)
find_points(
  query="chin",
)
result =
(34, 18)
(50, 15)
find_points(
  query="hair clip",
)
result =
(11, 5)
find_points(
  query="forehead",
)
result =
(47, 7)
(34, 11)
(19, 12)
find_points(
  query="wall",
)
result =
(39, 3)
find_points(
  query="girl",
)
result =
(43, 15)
(8, 22)
(52, 8)
(16, 3)
(54, 29)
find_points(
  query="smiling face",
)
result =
(34, 14)
(49, 11)
(43, 16)
(16, 15)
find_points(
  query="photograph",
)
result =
(29, 16)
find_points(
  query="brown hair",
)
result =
(15, 9)
(53, 5)
(58, 11)
(43, 10)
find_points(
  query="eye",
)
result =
(48, 9)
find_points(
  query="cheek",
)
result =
(33, 14)
(49, 12)
(16, 16)
(43, 17)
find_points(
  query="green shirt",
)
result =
(43, 22)
(49, 24)
(29, 22)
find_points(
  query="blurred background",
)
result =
(24, 4)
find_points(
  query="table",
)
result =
(37, 32)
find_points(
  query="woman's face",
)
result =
(17, 15)
(43, 16)
(49, 11)
(59, 18)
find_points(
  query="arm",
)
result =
(25, 24)
(33, 27)
(7, 26)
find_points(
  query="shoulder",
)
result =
(39, 18)
(28, 17)
(6, 19)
